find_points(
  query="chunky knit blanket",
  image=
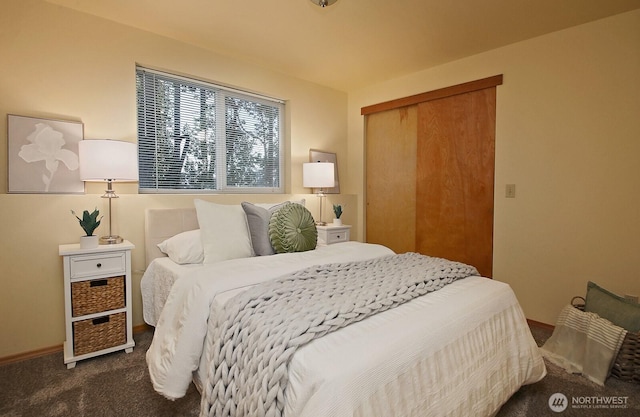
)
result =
(262, 327)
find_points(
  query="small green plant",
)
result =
(88, 222)
(337, 210)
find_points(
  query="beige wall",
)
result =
(568, 136)
(56, 63)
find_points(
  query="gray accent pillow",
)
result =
(292, 229)
(616, 309)
(258, 221)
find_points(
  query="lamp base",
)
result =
(110, 240)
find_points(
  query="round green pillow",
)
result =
(292, 229)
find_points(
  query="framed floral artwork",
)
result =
(43, 155)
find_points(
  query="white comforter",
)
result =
(462, 350)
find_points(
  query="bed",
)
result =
(460, 351)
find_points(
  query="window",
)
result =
(194, 135)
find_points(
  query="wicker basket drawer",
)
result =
(100, 333)
(95, 296)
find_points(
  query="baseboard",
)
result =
(55, 349)
(30, 355)
(540, 325)
(142, 328)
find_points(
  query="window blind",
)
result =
(194, 135)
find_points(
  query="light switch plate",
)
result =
(510, 191)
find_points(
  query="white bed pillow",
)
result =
(184, 248)
(225, 233)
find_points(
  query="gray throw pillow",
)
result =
(258, 221)
(616, 309)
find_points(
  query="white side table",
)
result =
(328, 235)
(97, 300)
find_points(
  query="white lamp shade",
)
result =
(318, 175)
(104, 159)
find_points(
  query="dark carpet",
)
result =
(112, 385)
(118, 385)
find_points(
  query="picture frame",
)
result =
(43, 155)
(322, 156)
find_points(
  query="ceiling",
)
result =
(352, 43)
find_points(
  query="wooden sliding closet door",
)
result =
(390, 160)
(430, 173)
(455, 177)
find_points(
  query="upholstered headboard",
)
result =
(161, 224)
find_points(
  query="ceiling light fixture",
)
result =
(323, 3)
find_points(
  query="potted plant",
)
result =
(89, 222)
(337, 210)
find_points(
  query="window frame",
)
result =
(221, 92)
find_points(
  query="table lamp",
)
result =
(319, 175)
(108, 160)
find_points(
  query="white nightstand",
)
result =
(97, 300)
(329, 234)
